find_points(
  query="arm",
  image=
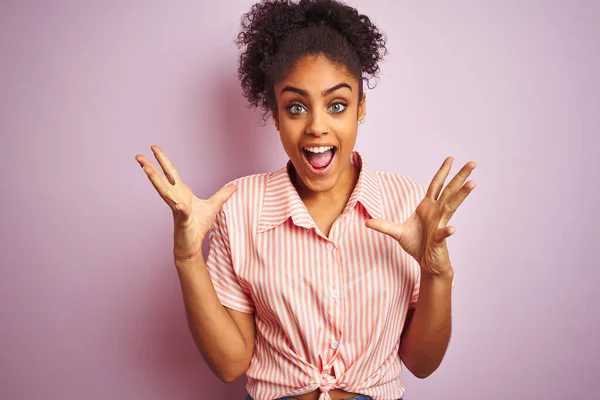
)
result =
(423, 236)
(225, 337)
(427, 329)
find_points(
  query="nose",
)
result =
(317, 124)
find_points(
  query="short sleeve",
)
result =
(221, 269)
(415, 294)
(417, 195)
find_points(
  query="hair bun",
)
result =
(269, 22)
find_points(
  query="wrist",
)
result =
(186, 262)
(445, 276)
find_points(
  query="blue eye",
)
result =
(296, 109)
(337, 107)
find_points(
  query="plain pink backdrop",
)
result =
(90, 306)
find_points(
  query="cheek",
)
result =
(291, 130)
(346, 127)
(289, 140)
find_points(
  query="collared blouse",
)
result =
(329, 310)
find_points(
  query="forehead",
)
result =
(315, 73)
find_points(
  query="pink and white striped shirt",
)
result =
(329, 311)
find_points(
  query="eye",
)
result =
(337, 107)
(296, 108)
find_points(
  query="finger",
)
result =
(455, 184)
(159, 182)
(435, 187)
(221, 197)
(182, 213)
(452, 204)
(166, 165)
(386, 227)
(444, 233)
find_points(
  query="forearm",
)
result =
(425, 342)
(215, 333)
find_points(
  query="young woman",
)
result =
(324, 276)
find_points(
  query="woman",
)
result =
(322, 277)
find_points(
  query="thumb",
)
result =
(386, 227)
(224, 194)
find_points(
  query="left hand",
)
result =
(424, 234)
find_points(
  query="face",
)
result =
(317, 115)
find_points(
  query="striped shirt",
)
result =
(329, 311)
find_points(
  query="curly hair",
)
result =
(275, 34)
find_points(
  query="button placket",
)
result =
(334, 293)
(330, 293)
(337, 297)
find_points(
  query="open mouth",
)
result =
(319, 158)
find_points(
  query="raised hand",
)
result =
(193, 217)
(424, 234)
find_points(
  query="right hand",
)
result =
(193, 217)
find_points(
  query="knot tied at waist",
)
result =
(326, 383)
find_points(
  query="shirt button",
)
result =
(335, 345)
(329, 246)
(334, 294)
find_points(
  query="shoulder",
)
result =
(399, 193)
(250, 189)
(391, 183)
(251, 183)
(249, 197)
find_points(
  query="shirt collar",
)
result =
(282, 201)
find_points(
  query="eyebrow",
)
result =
(325, 92)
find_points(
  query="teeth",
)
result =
(321, 149)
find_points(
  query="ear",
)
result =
(362, 107)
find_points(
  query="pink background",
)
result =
(90, 304)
